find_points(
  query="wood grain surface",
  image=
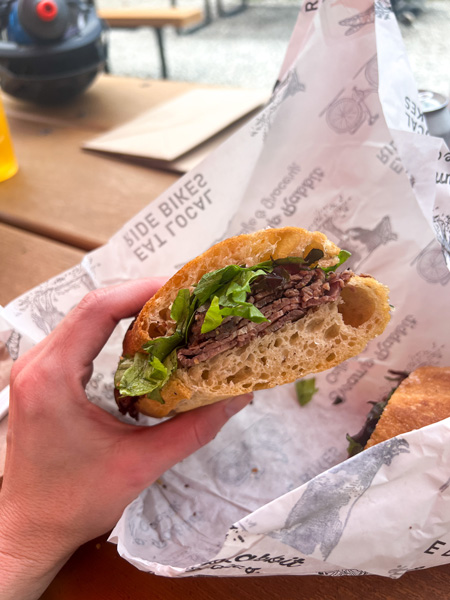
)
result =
(110, 102)
(28, 260)
(66, 193)
(151, 17)
(97, 572)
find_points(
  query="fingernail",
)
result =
(234, 405)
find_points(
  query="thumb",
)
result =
(181, 436)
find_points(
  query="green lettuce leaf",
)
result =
(305, 389)
(342, 256)
(170, 364)
(230, 300)
(213, 317)
(146, 373)
(124, 365)
(236, 291)
(180, 309)
(211, 282)
(143, 376)
(247, 310)
(215, 314)
(161, 347)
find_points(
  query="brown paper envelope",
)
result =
(175, 127)
(190, 159)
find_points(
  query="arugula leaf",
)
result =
(358, 441)
(305, 388)
(342, 256)
(269, 265)
(353, 447)
(314, 256)
(311, 258)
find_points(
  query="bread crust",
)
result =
(421, 399)
(325, 337)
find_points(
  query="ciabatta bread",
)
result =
(326, 336)
(421, 399)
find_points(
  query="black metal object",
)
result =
(222, 11)
(159, 37)
(49, 73)
(230, 12)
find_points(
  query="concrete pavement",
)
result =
(247, 50)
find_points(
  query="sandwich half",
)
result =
(252, 312)
(420, 399)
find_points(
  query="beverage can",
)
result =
(8, 162)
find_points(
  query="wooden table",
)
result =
(29, 259)
(64, 195)
(71, 195)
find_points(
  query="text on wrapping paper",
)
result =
(383, 350)
(168, 216)
(415, 116)
(245, 562)
(437, 546)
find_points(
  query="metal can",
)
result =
(437, 114)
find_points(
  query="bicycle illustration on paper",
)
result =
(431, 265)
(346, 114)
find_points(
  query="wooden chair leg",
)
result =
(159, 37)
(206, 21)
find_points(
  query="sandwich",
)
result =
(418, 399)
(252, 312)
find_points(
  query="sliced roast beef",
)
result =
(282, 296)
(127, 404)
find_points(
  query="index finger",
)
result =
(87, 328)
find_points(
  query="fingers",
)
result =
(88, 326)
(181, 436)
(84, 331)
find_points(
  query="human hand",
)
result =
(71, 467)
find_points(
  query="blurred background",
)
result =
(247, 49)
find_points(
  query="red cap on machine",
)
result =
(46, 10)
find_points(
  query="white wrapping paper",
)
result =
(339, 148)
